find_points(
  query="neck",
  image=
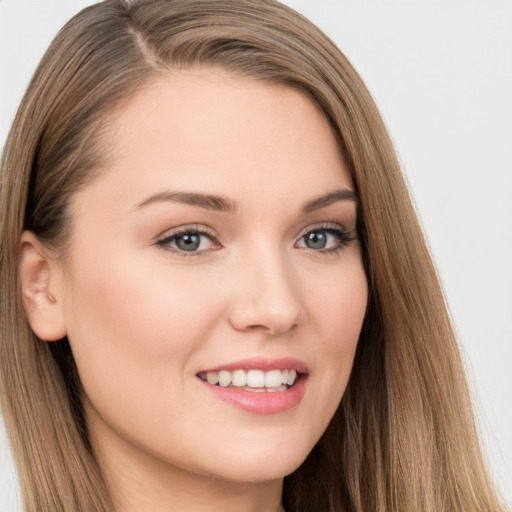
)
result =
(193, 494)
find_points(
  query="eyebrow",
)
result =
(206, 201)
(326, 200)
(224, 204)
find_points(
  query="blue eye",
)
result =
(325, 239)
(189, 241)
(316, 239)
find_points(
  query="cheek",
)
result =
(130, 325)
(337, 317)
(339, 307)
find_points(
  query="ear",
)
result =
(42, 290)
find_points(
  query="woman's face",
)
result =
(218, 244)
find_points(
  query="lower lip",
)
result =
(261, 402)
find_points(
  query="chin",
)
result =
(260, 466)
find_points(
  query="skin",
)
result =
(143, 319)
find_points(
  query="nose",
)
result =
(266, 296)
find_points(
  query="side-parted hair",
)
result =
(403, 438)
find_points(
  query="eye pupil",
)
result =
(316, 240)
(188, 242)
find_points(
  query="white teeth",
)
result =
(273, 379)
(292, 375)
(256, 378)
(212, 377)
(255, 390)
(252, 380)
(224, 378)
(239, 378)
(268, 390)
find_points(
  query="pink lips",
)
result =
(261, 402)
(262, 363)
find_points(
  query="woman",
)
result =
(224, 300)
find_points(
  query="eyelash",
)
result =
(343, 235)
(167, 240)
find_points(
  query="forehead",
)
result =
(213, 132)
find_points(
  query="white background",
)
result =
(441, 73)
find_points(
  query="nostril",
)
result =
(266, 300)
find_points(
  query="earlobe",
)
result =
(42, 297)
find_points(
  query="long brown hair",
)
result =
(403, 438)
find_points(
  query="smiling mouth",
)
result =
(253, 380)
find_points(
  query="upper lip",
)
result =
(262, 363)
